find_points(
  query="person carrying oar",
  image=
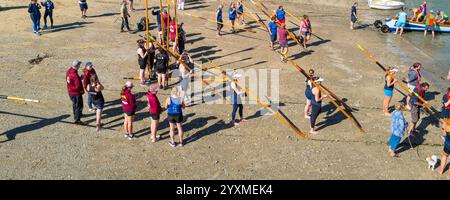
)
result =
(282, 38)
(232, 15)
(305, 30)
(142, 60)
(237, 101)
(416, 105)
(414, 78)
(398, 126)
(316, 104)
(388, 90)
(281, 15)
(308, 93)
(219, 19)
(240, 12)
(273, 29)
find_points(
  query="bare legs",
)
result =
(444, 164)
(154, 129)
(128, 124)
(386, 102)
(172, 133)
(99, 119)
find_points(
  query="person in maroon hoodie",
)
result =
(129, 109)
(87, 74)
(75, 90)
(154, 107)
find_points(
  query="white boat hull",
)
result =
(386, 5)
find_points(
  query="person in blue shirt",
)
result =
(49, 6)
(219, 19)
(353, 16)
(35, 14)
(401, 22)
(273, 32)
(240, 12)
(398, 126)
(232, 15)
(281, 15)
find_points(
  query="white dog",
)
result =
(432, 161)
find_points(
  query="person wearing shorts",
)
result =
(154, 108)
(95, 90)
(282, 39)
(273, 29)
(142, 53)
(129, 109)
(308, 94)
(83, 8)
(161, 65)
(219, 19)
(414, 78)
(232, 15)
(416, 105)
(401, 22)
(430, 23)
(305, 30)
(353, 16)
(174, 105)
(388, 90)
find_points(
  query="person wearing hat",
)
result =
(308, 93)
(175, 106)
(94, 90)
(398, 127)
(129, 108)
(75, 90)
(154, 108)
(282, 39)
(142, 60)
(430, 23)
(236, 99)
(388, 89)
(87, 73)
(416, 105)
(316, 104)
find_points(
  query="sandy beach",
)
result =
(39, 141)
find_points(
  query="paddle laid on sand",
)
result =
(225, 24)
(18, 98)
(428, 105)
(278, 115)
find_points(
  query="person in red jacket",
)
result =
(129, 109)
(154, 107)
(87, 74)
(75, 90)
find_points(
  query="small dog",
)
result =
(432, 161)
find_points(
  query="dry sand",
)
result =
(47, 146)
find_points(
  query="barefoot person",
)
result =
(388, 90)
(414, 78)
(219, 19)
(232, 15)
(445, 111)
(130, 2)
(416, 105)
(35, 15)
(316, 104)
(237, 101)
(308, 93)
(154, 108)
(142, 60)
(305, 30)
(124, 13)
(353, 16)
(49, 6)
(129, 109)
(88, 72)
(398, 126)
(174, 105)
(282, 39)
(83, 8)
(273, 30)
(181, 4)
(442, 17)
(430, 23)
(95, 90)
(446, 150)
(76, 91)
(401, 22)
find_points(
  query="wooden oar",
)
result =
(18, 98)
(168, 25)
(257, 19)
(336, 97)
(176, 23)
(428, 105)
(283, 119)
(161, 18)
(225, 24)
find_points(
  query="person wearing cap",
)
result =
(430, 23)
(414, 78)
(185, 63)
(416, 105)
(75, 90)
(124, 14)
(142, 60)
(88, 72)
(398, 127)
(237, 101)
(219, 19)
(308, 93)
(316, 104)
(232, 15)
(282, 39)
(94, 89)
(388, 89)
(35, 15)
(175, 106)
(162, 66)
(129, 108)
(154, 108)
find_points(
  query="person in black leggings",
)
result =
(316, 104)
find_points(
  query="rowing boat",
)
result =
(386, 5)
(415, 26)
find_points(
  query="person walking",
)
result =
(49, 6)
(416, 105)
(125, 15)
(181, 4)
(174, 105)
(308, 93)
(130, 2)
(129, 108)
(388, 90)
(282, 39)
(35, 15)
(76, 91)
(237, 101)
(414, 78)
(401, 22)
(398, 127)
(154, 108)
(95, 91)
(316, 104)
(142, 60)
(273, 30)
(353, 16)
(88, 72)
(232, 15)
(305, 30)
(83, 8)
(162, 66)
(219, 19)
(430, 23)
